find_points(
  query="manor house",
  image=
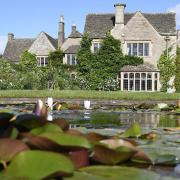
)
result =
(146, 35)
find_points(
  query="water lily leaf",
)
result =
(63, 124)
(84, 176)
(67, 140)
(74, 132)
(120, 172)
(39, 165)
(133, 131)
(105, 155)
(5, 118)
(25, 122)
(95, 137)
(80, 158)
(10, 132)
(157, 155)
(49, 127)
(10, 147)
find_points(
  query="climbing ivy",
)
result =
(167, 69)
(177, 75)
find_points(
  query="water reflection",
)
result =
(104, 119)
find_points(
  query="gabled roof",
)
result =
(76, 34)
(15, 48)
(140, 68)
(72, 49)
(53, 41)
(97, 25)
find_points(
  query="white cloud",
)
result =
(3, 41)
(176, 9)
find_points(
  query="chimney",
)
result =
(119, 17)
(73, 28)
(10, 36)
(61, 34)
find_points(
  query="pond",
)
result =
(114, 122)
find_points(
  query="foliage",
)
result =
(177, 75)
(99, 70)
(27, 61)
(9, 78)
(167, 69)
(55, 58)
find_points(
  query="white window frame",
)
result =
(71, 60)
(41, 61)
(138, 44)
(154, 79)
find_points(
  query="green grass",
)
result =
(70, 94)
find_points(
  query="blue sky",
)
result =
(27, 18)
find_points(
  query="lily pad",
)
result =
(49, 127)
(10, 147)
(118, 172)
(67, 140)
(39, 165)
(133, 131)
(105, 155)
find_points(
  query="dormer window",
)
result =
(141, 49)
(42, 61)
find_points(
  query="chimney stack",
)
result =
(10, 36)
(119, 17)
(73, 28)
(61, 33)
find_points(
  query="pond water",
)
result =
(107, 119)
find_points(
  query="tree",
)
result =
(28, 61)
(177, 74)
(9, 76)
(167, 69)
(55, 58)
(84, 56)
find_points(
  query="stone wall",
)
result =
(41, 46)
(138, 29)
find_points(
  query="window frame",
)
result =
(42, 61)
(138, 48)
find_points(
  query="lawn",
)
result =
(74, 94)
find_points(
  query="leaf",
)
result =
(25, 122)
(67, 140)
(10, 147)
(49, 127)
(63, 124)
(5, 118)
(95, 137)
(133, 131)
(120, 172)
(105, 155)
(39, 165)
(80, 158)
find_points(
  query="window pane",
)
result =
(131, 75)
(129, 50)
(73, 59)
(46, 61)
(149, 85)
(131, 85)
(143, 75)
(134, 49)
(137, 85)
(125, 85)
(140, 53)
(69, 59)
(96, 47)
(143, 85)
(155, 75)
(155, 85)
(137, 75)
(146, 49)
(149, 75)
(126, 75)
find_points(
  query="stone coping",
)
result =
(12, 101)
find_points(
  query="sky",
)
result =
(27, 18)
